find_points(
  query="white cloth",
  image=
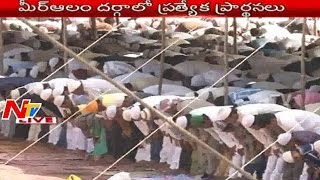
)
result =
(143, 127)
(236, 160)
(75, 138)
(175, 159)
(95, 87)
(210, 111)
(34, 132)
(155, 100)
(144, 153)
(255, 109)
(168, 89)
(265, 96)
(18, 65)
(304, 175)
(90, 145)
(116, 68)
(54, 135)
(301, 120)
(59, 82)
(278, 171)
(271, 164)
(165, 151)
(99, 84)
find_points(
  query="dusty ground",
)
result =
(43, 162)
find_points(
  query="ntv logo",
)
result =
(26, 113)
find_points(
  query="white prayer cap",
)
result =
(135, 112)
(182, 121)
(126, 114)
(284, 138)
(73, 85)
(58, 100)
(34, 71)
(287, 157)
(15, 93)
(45, 94)
(247, 121)
(57, 91)
(111, 112)
(224, 113)
(317, 146)
(38, 87)
(53, 62)
(145, 114)
(42, 66)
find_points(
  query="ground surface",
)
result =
(43, 162)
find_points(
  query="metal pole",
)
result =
(303, 69)
(315, 27)
(235, 50)
(131, 94)
(225, 80)
(94, 28)
(64, 42)
(163, 40)
(1, 47)
(117, 20)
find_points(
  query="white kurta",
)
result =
(75, 138)
(55, 134)
(34, 131)
(144, 153)
(299, 120)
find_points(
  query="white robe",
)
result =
(144, 153)
(54, 135)
(165, 151)
(75, 138)
(34, 131)
(299, 120)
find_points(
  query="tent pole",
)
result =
(1, 47)
(315, 26)
(225, 80)
(64, 42)
(235, 50)
(163, 41)
(94, 28)
(303, 70)
(154, 111)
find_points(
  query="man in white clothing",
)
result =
(278, 123)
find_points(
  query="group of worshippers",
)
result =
(113, 123)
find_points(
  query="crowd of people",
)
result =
(264, 99)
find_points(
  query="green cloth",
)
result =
(101, 146)
(196, 120)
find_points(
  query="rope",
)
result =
(128, 92)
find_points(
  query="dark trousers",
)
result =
(258, 167)
(292, 171)
(156, 146)
(63, 138)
